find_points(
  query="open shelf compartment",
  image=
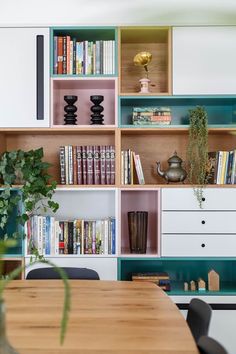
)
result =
(140, 200)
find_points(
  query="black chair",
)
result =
(72, 273)
(198, 318)
(208, 345)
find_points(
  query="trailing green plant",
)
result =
(197, 150)
(27, 169)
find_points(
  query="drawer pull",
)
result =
(203, 222)
(203, 199)
(203, 245)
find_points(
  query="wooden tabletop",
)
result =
(105, 317)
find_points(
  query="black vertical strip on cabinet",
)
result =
(40, 77)
(216, 306)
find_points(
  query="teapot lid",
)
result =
(175, 158)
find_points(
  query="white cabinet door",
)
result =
(24, 77)
(204, 60)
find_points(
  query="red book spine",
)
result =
(113, 166)
(96, 165)
(79, 164)
(64, 63)
(84, 164)
(103, 164)
(89, 164)
(60, 55)
(108, 165)
(61, 238)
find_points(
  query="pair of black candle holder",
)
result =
(70, 109)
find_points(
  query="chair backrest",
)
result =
(198, 318)
(207, 345)
(72, 273)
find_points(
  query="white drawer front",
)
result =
(217, 222)
(184, 199)
(198, 246)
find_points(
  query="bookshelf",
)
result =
(166, 248)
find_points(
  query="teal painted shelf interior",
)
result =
(84, 34)
(183, 270)
(221, 110)
(11, 228)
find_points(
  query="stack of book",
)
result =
(222, 167)
(161, 279)
(87, 164)
(151, 115)
(130, 163)
(52, 237)
(72, 57)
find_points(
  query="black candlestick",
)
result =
(70, 109)
(97, 117)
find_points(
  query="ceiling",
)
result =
(117, 12)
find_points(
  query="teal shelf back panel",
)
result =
(182, 270)
(13, 227)
(221, 110)
(89, 34)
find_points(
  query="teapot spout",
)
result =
(161, 173)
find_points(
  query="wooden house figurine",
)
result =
(201, 285)
(185, 286)
(192, 285)
(213, 281)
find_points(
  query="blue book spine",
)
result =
(47, 243)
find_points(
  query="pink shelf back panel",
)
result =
(84, 89)
(140, 200)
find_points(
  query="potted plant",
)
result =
(35, 192)
(197, 150)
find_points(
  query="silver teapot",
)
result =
(175, 172)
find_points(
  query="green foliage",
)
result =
(197, 151)
(28, 169)
(4, 245)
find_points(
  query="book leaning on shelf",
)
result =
(74, 57)
(221, 167)
(131, 167)
(52, 237)
(152, 116)
(161, 279)
(91, 164)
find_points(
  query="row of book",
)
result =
(131, 166)
(161, 279)
(52, 237)
(90, 164)
(151, 115)
(222, 167)
(72, 57)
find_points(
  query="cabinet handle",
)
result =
(203, 222)
(203, 199)
(40, 76)
(203, 245)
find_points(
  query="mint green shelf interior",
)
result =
(221, 110)
(183, 270)
(81, 34)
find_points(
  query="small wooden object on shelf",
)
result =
(186, 286)
(201, 285)
(213, 280)
(192, 285)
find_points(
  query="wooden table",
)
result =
(105, 317)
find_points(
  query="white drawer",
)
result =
(184, 199)
(198, 246)
(219, 222)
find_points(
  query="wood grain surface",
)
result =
(105, 317)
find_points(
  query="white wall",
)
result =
(117, 12)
